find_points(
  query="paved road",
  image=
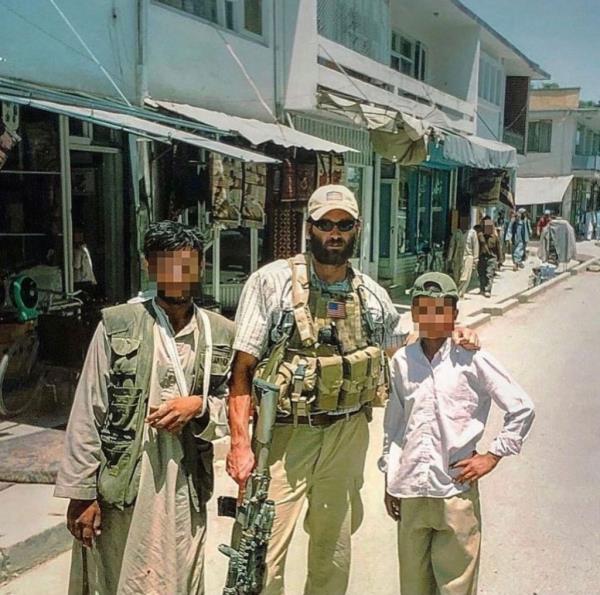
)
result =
(541, 510)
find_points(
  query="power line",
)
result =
(89, 51)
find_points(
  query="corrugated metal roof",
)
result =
(255, 131)
(141, 127)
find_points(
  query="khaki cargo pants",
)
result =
(438, 545)
(324, 466)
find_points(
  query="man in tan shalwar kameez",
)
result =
(140, 520)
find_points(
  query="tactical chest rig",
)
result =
(329, 359)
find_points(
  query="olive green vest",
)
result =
(331, 363)
(130, 332)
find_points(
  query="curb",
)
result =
(482, 316)
(35, 550)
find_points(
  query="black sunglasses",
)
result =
(328, 225)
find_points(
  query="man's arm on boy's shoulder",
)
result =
(512, 399)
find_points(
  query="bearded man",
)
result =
(336, 324)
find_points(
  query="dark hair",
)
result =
(167, 236)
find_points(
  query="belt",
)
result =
(319, 419)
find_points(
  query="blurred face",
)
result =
(330, 244)
(176, 273)
(488, 227)
(434, 317)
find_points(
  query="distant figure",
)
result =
(83, 268)
(589, 223)
(542, 222)
(463, 258)
(489, 253)
(520, 232)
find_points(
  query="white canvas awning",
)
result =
(255, 131)
(479, 152)
(538, 191)
(141, 127)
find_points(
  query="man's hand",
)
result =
(84, 520)
(240, 463)
(173, 414)
(475, 467)
(392, 505)
(466, 338)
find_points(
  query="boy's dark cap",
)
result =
(434, 285)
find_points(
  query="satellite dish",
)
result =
(24, 296)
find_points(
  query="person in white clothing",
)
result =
(469, 259)
(440, 398)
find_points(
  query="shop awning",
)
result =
(538, 191)
(478, 152)
(397, 136)
(141, 127)
(255, 131)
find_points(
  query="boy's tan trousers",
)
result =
(438, 545)
(324, 467)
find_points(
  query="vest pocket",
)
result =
(369, 391)
(123, 408)
(356, 367)
(330, 375)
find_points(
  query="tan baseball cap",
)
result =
(332, 196)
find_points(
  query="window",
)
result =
(408, 56)
(253, 16)
(491, 80)
(539, 138)
(235, 15)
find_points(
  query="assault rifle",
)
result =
(254, 515)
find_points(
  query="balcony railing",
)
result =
(347, 71)
(586, 162)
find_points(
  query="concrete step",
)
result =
(33, 528)
(501, 307)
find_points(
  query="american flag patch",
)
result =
(336, 310)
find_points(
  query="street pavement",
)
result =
(541, 511)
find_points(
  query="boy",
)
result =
(439, 402)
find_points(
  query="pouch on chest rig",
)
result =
(328, 363)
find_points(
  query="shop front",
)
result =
(415, 204)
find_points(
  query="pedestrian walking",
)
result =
(543, 221)
(439, 404)
(489, 254)
(335, 323)
(456, 248)
(470, 259)
(138, 465)
(520, 232)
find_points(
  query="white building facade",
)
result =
(288, 61)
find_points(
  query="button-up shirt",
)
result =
(437, 413)
(268, 292)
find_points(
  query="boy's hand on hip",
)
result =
(392, 505)
(84, 520)
(475, 467)
(173, 414)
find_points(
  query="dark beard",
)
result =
(321, 253)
